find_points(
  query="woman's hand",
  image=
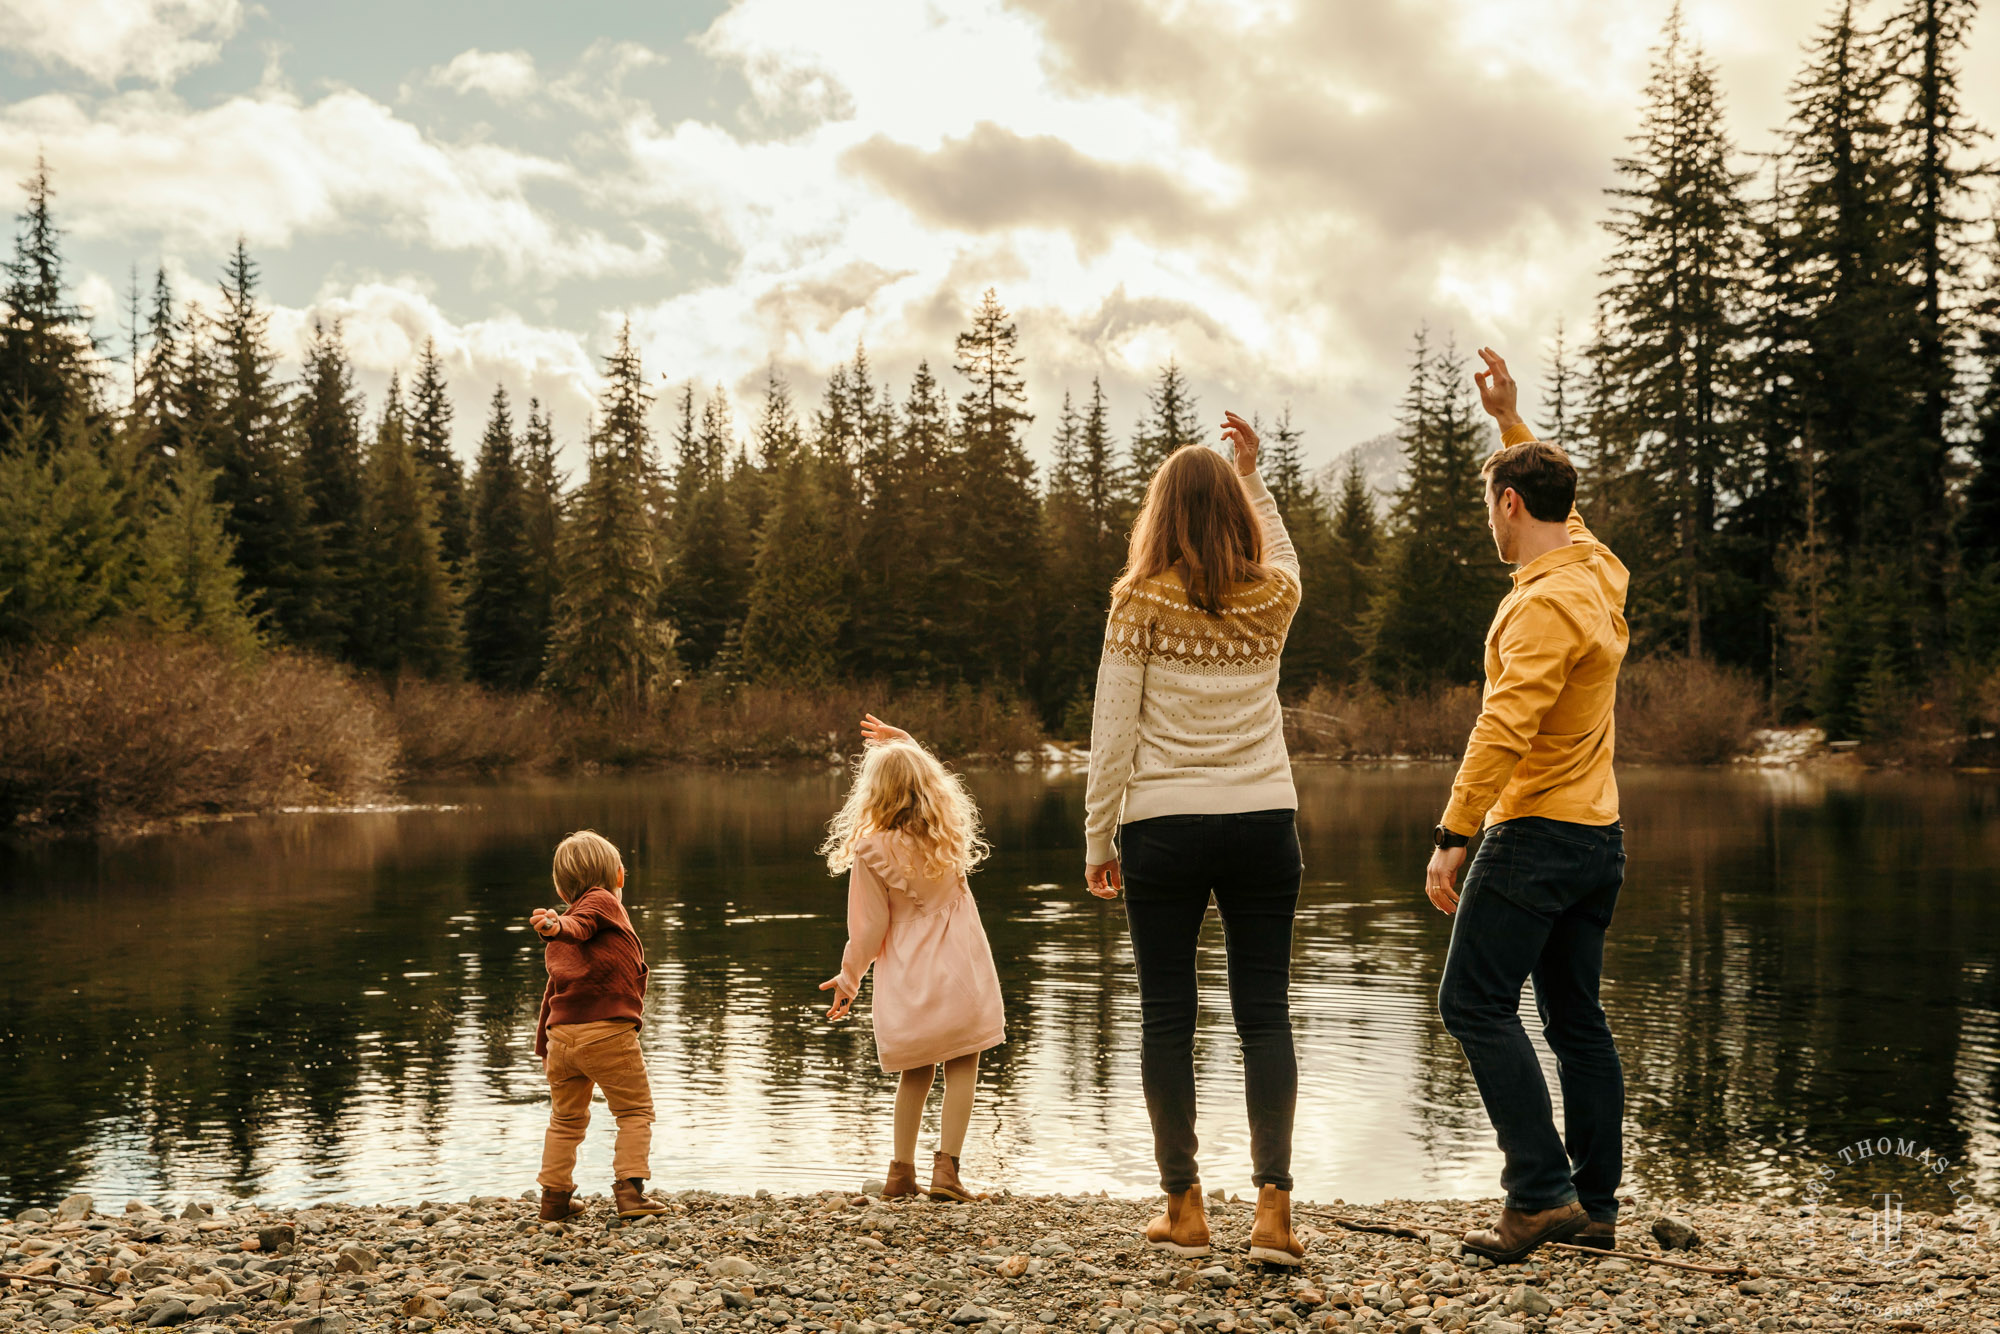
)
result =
(875, 732)
(843, 997)
(1242, 438)
(546, 922)
(1105, 879)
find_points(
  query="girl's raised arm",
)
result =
(875, 732)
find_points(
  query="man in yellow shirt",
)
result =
(1540, 893)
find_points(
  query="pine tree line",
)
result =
(1786, 413)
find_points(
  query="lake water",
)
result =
(322, 1006)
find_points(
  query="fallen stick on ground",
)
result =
(1717, 1271)
(57, 1283)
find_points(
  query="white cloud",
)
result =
(504, 76)
(273, 168)
(112, 40)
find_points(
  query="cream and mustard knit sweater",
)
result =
(1186, 719)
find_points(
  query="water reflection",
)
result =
(328, 1006)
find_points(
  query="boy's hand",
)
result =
(843, 997)
(875, 732)
(1498, 393)
(546, 922)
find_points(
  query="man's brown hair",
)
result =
(1539, 473)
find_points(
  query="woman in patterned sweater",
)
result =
(1190, 796)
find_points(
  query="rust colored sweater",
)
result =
(597, 967)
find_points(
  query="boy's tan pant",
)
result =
(606, 1054)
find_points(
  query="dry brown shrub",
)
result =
(1677, 710)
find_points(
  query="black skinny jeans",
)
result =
(1537, 899)
(1250, 862)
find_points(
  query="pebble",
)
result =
(1010, 1266)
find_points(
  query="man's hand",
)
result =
(843, 997)
(875, 732)
(1105, 879)
(1498, 393)
(546, 921)
(1441, 878)
(1242, 438)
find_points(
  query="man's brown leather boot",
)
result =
(558, 1205)
(629, 1195)
(1519, 1233)
(945, 1184)
(1271, 1237)
(1598, 1236)
(1183, 1228)
(902, 1180)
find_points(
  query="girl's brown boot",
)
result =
(902, 1180)
(945, 1184)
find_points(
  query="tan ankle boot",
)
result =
(945, 1184)
(902, 1180)
(1271, 1237)
(630, 1198)
(1520, 1232)
(558, 1205)
(1183, 1228)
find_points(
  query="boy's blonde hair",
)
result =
(586, 860)
(901, 786)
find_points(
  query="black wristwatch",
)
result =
(1444, 838)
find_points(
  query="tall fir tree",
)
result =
(252, 448)
(430, 438)
(185, 580)
(714, 549)
(408, 619)
(796, 608)
(1170, 423)
(328, 423)
(610, 647)
(906, 562)
(502, 638)
(1672, 334)
(47, 355)
(542, 486)
(994, 507)
(66, 545)
(1440, 578)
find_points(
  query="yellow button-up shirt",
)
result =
(1542, 745)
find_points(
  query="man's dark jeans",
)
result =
(1250, 862)
(1536, 901)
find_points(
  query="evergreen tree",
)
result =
(906, 563)
(1673, 324)
(250, 446)
(47, 363)
(610, 646)
(542, 484)
(503, 637)
(1559, 391)
(430, 438)
(408, 621)
(156, 384)
(65, 547)
(328, 421)
(1284, 469)
(993, 505)
(1440, 578)
(796, 612)
(186, 581)
(711, 585)
(1171, 423)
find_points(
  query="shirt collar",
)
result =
(1551, 560)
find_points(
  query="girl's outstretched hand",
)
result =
(843, 997)
(875, 732)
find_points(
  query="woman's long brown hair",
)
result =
(1196, 517)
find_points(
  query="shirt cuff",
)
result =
(1097, 851)
(1460, 818)
(1517, 434)
(1253, 484)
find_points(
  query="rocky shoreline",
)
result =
(1010, 1265)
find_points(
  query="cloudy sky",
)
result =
(1276, 192)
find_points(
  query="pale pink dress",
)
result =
(937, 994)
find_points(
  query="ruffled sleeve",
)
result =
(867, 922)
(879, 858)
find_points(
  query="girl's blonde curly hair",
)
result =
(901, 787)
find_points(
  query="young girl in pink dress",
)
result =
(906, 837)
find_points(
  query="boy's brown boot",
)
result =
(1183, 1228)
(631, 1200)
(1598, 1236)
(902, 1180)
(1271, 1237)
(945, 1184)
(558, 1205)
